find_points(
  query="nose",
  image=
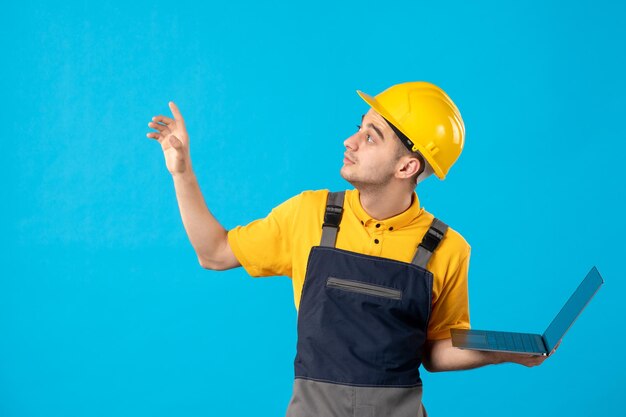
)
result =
(352, 143)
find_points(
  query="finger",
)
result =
(161, 128)
(154, 135)
(177, 116)
(163, 119)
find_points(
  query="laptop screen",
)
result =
(574, 306)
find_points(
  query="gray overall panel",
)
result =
(322, 399)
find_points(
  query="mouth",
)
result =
(347, 161)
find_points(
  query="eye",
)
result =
(368, 137)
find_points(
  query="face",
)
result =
(371, 156)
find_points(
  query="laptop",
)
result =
(533, 344)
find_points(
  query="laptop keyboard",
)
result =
(520, 342)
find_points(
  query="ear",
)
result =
(407, 167)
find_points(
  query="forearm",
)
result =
(206, 234)
(442, 356)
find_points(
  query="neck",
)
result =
(386, 202)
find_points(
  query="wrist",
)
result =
(185, 176)
(497, 358)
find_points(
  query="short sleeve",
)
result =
(264, 246)
(451, 309)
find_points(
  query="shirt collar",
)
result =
(396, 222)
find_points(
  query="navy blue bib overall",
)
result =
(362, 325)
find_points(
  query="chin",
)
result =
(343, 173)
(356, 184)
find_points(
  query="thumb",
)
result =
(175, 142)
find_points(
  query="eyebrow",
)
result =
(377, 130)
(373, 127)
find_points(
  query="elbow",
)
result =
(207, 264)
(431, 358)
(427, 364)
(204, 264)
(213, 265)
(219, 259)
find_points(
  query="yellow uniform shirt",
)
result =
(280, 244)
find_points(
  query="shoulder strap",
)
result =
(332, 218)
(431, 240)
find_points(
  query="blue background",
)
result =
(104, 309)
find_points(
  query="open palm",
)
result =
(174, 140)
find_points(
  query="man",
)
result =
(378, 281)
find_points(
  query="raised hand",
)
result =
(172, 135)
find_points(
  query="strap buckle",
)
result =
(431, 239)
(332, 216)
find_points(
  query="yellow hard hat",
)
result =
(427, 117)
